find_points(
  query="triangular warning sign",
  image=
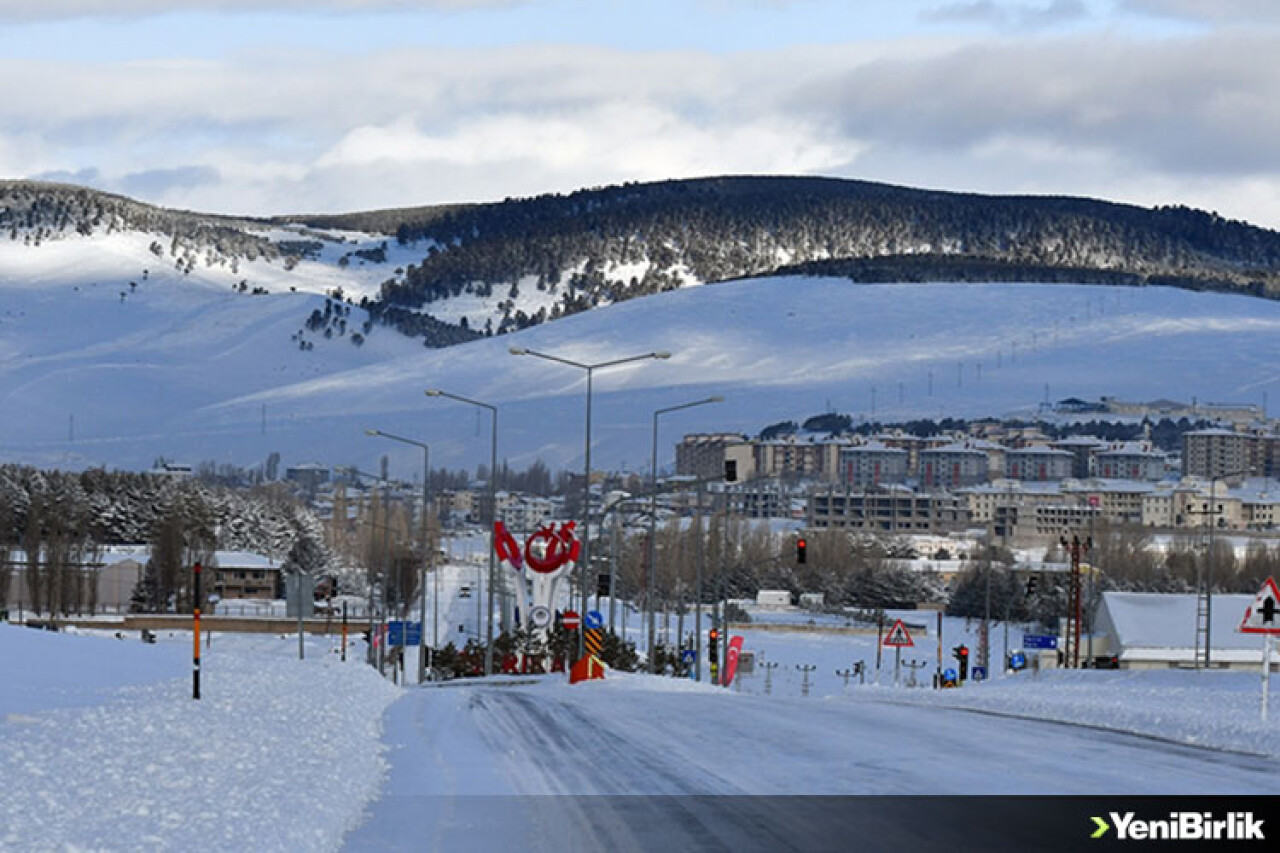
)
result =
(1263, 616)
(898, 635)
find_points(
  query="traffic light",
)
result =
(962, 655)
(602, 584)
(801, 551)
(714, 645)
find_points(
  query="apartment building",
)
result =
(873, 464)
(954, 466)
(703, 455)
(1131, 461)
(1038, 464)
(886, 510)
(1217, 453)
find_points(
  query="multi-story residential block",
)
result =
(1118, 501)
(1038, 464)
(703, 455)
(1131, 461)
(953, 466)
(1261, 510)
(763, 499)
(912, 444)
(794, 459)
(1205, 505)
(873, 464)
(1083, 449)
(524, 513)
(1216, 453)
(1047, 522)
(309, 477)
(887, 510)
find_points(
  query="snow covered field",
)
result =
(102, 747)
(195, 373)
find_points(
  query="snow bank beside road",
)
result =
(1214, 709)
(279, 754)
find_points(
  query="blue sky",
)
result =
(276, 106)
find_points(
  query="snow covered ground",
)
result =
(193, 373)
(103, 748)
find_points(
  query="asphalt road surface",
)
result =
(621, 767)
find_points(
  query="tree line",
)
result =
(54, 527)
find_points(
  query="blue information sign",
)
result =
(978, 673)
(412, 638)
(1039, 641)
(594, 619)
(688, 656)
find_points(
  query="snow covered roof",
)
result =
(1133, 448)
(1112, 485)
(874, 447)
(1038, 450)
(956, 448)
(1165, 621)
(1079, 441)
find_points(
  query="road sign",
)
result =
(594, 619)
(540, 616)
(412, 637)
(898, 635)
(1017, 661)
(1263, 616)
(688, 656)
(978, 673)
(570, 620)
(1039, 641)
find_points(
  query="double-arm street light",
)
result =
(426, 497)
(586, 485)
(493, 511)
(653, 522)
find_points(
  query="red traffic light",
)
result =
(964, 651)
(800, 550)
(715, 634)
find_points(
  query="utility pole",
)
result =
(806, 669)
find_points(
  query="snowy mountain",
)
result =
(129, 333)
(448, 274)
(89, 376)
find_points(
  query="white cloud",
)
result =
(1050, 13)
(1219, 11)
(1152, 121)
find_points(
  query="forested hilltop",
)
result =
(598, 246)
(449, 273)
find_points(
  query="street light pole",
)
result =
(653, 523)
(423, 663)
(585, 564)
(493, 509)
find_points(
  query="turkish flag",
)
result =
(731, 664)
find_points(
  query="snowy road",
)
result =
(658, 764)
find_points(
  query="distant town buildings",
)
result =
(1016, 482)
